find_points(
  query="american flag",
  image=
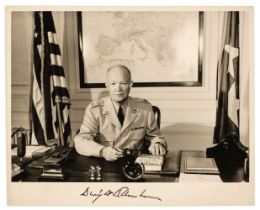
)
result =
(50, 95)
(228, 85)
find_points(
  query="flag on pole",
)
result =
(227, 120)
(50, 95)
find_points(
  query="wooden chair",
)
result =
(157, 116)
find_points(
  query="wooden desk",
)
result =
(77, 168)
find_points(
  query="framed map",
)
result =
(161, 48)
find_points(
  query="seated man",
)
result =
(114, 123)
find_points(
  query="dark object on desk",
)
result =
(58, 156)
(132, 170)
(172, 162)
(52, 166)
(21, 145)
(130, 155)
(230, 148)
(230, 155)
(14, 135)
(52, 171)
(37, 163)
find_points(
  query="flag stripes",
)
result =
(50, 92)
(228, 98)
(58, 71)
(54, 49)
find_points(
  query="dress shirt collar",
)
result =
(124, 106)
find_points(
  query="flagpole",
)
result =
(61, 139)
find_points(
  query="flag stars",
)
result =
(233, 53)
(35, 34)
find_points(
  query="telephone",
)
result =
(132, 170)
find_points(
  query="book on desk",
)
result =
(200, 165)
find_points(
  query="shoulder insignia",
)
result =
(96, 103)
(141, 100)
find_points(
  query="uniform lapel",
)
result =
(131, 114)
(110, 111)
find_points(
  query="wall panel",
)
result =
(188, 113)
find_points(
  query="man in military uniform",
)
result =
(118, 121)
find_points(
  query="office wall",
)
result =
(21, 67)
(188, 113)
(22, 63)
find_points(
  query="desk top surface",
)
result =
(77, 168)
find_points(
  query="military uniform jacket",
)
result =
(101, 127)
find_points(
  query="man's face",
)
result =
(118, 84)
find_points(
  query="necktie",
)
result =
(120, 115)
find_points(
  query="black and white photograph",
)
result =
(130, 105)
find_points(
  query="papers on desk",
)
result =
(33, 151)
(151, 162)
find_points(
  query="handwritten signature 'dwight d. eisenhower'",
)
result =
(122, 192)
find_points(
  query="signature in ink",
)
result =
(123, 192)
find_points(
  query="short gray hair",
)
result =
(120, 67)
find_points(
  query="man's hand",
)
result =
(111, 153)
(157, 149)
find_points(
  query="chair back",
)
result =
(157, 115)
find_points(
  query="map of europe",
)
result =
(155, 46)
